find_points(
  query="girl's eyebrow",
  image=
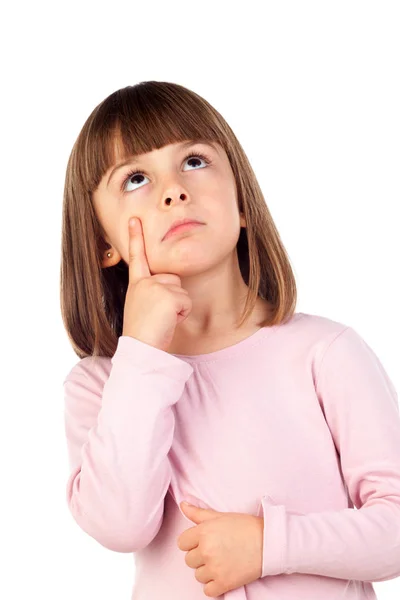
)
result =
(137, 156)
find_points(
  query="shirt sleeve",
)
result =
(361, 408)
(119, 432)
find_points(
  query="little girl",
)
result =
(198, 381)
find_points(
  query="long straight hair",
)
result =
(143, 117)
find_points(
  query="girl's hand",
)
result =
(225, 548)
(154, 304)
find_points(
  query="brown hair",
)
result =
(144, 117)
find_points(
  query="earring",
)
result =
(109, 254)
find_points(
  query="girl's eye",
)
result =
(135, 174)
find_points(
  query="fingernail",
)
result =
(132, 223)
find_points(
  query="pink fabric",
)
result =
(298, 423)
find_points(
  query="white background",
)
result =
(311, 90)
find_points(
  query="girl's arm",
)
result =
(361, 408)
(119, 430)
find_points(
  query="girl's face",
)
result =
(169, 185)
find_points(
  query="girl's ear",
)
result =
(242, 220)
(110, 258)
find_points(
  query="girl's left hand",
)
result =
(225, 548)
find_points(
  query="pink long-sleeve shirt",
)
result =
(298, 424)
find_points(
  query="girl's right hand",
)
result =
(154, 304)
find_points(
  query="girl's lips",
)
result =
(182, 228)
